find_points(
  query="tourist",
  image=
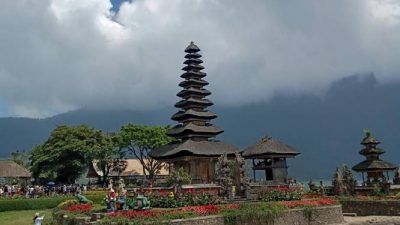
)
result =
(37, 220)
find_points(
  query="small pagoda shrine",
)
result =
(373, 166)
(194, 149)
(269, 155)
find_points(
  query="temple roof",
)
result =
(197, 148)
(193, 91)
(10, 169)
(194, 132)
(191, 67)
(191, 127)
(192, 113)
(269, 146)
(193, 82)
(367, 151)
(369, 139)
(371, 165)
(192, 48)
(193, 101)
(193, 74)
(193, 60)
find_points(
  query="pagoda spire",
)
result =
(373, 165)
(193, 117)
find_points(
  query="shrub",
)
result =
(40, 203)
(281, 194)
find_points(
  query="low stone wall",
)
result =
(372, 208)
(310, 216)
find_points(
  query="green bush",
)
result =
(282, 194)
(40, 203)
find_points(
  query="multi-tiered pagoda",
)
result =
(373, 165)
(195, 148)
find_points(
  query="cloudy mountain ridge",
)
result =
(325, 129)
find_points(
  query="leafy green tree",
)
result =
(109, 155)
(66, 152)
(140, 140)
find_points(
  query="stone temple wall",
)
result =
(369, 208)
(312, 216)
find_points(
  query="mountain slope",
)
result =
(326, 130)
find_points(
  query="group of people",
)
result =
(35, 191)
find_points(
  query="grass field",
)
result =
(23, 217)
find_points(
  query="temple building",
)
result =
(269, 155)
(373, 166)
(194, 148)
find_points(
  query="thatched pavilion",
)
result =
(270, 155)
(373, 166)
(10, 169)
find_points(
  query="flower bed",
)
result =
(80, 208)
(308, 203)
(229, 211)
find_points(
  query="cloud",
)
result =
(59, 55)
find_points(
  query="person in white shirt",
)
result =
(38, 219)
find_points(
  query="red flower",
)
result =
(201, 210)
(318, 202)
(81, 208)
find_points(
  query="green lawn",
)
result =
(23, 217)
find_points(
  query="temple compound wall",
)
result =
(312, 216)
(372, 207)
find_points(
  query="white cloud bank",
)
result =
(59, 55)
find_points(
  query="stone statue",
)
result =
(348, 181)
(337, 182)
(243, 180)
(223, 174)
(121, 200)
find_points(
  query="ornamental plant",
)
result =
(281, 194)
(80, 208)
(308, 203)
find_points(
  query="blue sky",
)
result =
(117, 3)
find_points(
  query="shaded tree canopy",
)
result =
(140, 140)
(66, 153)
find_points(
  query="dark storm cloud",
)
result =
(58, 55)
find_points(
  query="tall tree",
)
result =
(109, 155)
(140, 140)
(66, 152)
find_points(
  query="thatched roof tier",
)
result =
(193, 61)
(192, 56)
(193, 148)
(193, 129)
(9, 169)
(268, 146)
(369, 139)
(374, 165)
(373, 150)
(193, 74)
(193, 92)
(193, 67)
(193, 114)
(193, 83)
(193, 103)
(192, 48)
(133, 168)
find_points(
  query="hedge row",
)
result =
(40, 203)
